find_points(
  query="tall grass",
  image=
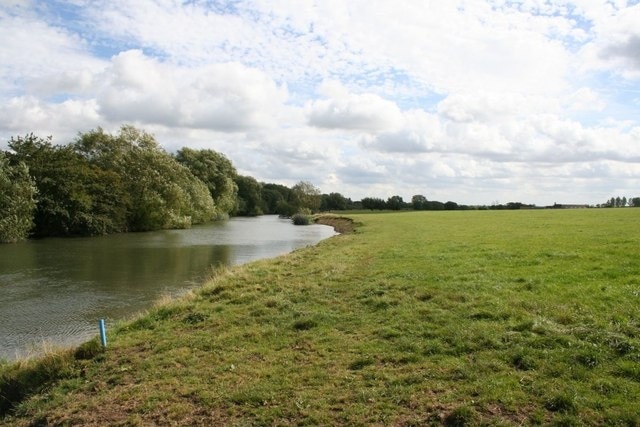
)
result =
(418, 318)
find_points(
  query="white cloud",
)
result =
(226, 96)
(22, 115)
(42, 59)
(354, 111)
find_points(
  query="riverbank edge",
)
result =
(341, 224)
(20, 379)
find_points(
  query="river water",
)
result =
(54, 291)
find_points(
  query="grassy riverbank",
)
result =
(499, 317)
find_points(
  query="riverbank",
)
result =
(520, 317)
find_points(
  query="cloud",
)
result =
(42, 59)
(627, 53)
(363, 112)
(225, 96)
(615, 44)
(22, 115)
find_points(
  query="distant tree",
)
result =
(307, 196)
(373, 203)
(216, 171)
(435, 205)
(249, 202)
(635, 202)
(17, 201)
(624, 202)
(419, 202)
(395, 203)
(450, 206)
(334, 202)
(278, 199)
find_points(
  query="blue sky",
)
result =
(466, 100)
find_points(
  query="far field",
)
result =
(417, 318)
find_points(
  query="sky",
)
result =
(473, 101)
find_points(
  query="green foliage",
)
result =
(17, 201)
(302, 219)
(335, 202)
(103, 184)
(418, 202)
(373, 203)
(306, 195)
(217, 172)
(279, 199)
(249, 196)
(74, 197)
(156, 191)
(395, 203)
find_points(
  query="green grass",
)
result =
(417, 318)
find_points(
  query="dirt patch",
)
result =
(341, 224)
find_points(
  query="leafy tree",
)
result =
(435, 205)
(373, 203)
(164, 193)
(217, 172)
(334, 202)
(17, 201)
(156, 191)
(278, 199)
(249, 201)
(395, 203)
(419, 202)
(307, 196)
(635, 202)
(450, 206)
(69, 188)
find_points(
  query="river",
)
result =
(54, 291)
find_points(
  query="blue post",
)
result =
(103, 333)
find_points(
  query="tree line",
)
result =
(621, 202)
(103, 183)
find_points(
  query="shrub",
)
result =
(302, 219)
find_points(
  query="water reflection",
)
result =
(55, 290)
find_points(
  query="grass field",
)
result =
(417, 318)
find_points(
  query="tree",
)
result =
(249, 202)
(69, 188)
(635, 202)
(156, 191)
(435, 206)
(217, 172)
(164, 194)
(278, 199)
(395, 203)
(17, 201)
(450, 206)
(334, 202)
(419, 202)
(373, 203)
(306, 196)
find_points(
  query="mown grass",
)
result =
(420, 318)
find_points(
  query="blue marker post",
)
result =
(103, 333)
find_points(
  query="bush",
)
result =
(301, 219)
